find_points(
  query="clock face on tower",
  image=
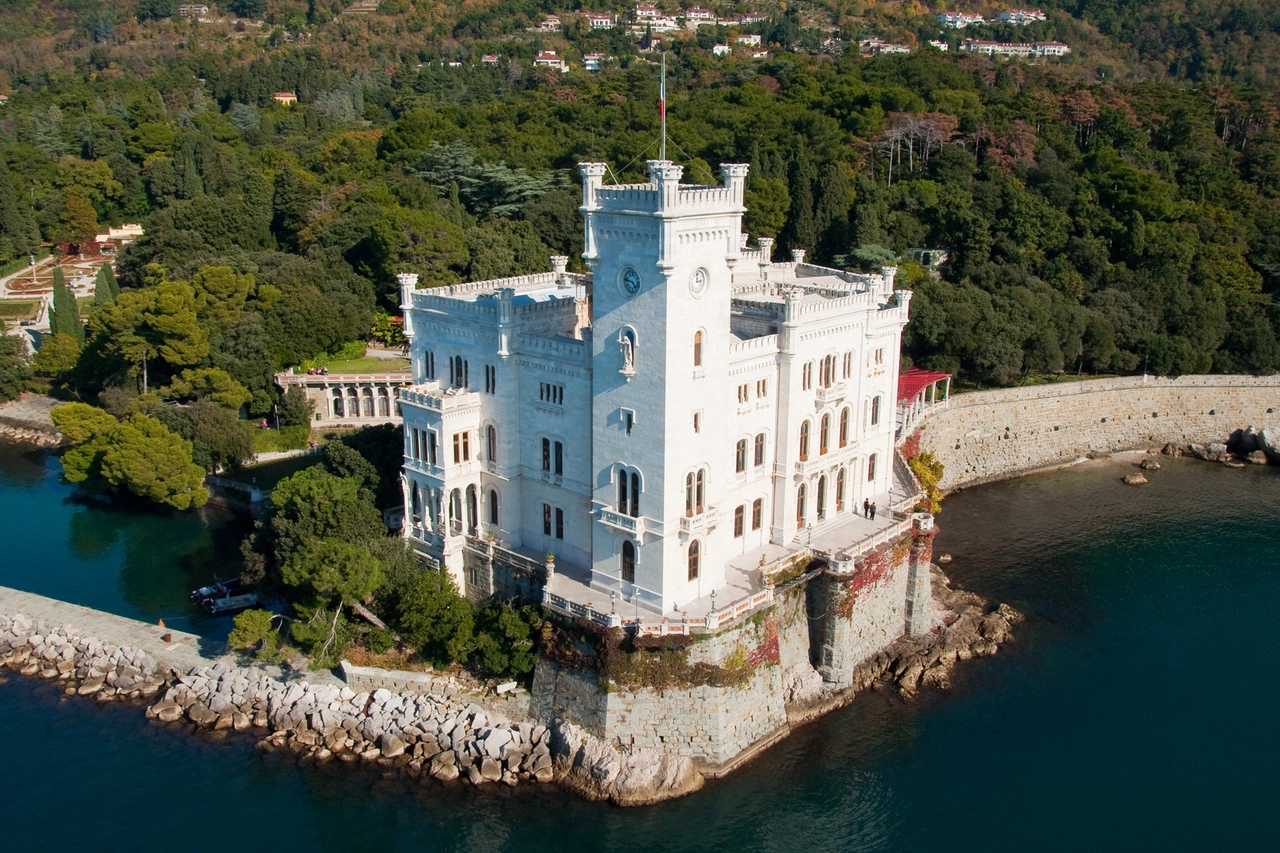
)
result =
(630, 282)
(698, 282)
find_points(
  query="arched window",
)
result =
(694, 553)
(416, 503)
(473, 510)
(757, 513)
(491, 443)
(338, 410)
(800, 506)
(384, 403)
(875, 411)
(740, 457)
(493, 507)
(628, 562)
(871, 467)
(806, 377)
(844, 426)
(455, 512)
(739, 521)
(623, 497)
(697, 348)
(824, 435)
(759, 460)
(804, 441)
(701, 489)
(353, 403)
(635, 495)
(840, 490)
(367, 397)
(822, 497)
(688, 495)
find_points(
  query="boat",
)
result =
(224, 596)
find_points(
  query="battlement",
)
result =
(663, 192)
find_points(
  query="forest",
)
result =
(1116, 211)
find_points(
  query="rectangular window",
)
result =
(739, 521)
(628, 420)
(880, 355)
(431, 447)
(546, 454)
(759, 460)
(559, 523)
(757, 513)
(549, 393)
(744, 393)
(429, 364)
(697, 422)
(490, 379)
(416, 452)
(762, 388)
(546, 519)
(461, 447)
(559, 459)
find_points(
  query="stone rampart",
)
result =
(991, 435)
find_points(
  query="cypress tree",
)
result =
(18, 233)
(64, 316)
(106, 279)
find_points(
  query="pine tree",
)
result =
(291, 208)
(18, 232)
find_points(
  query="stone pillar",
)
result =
(797, 257)
(766, 256)
(919, 588)
(408, 283)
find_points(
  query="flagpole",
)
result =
(662, 106)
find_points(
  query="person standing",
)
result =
(866, 508)
(873, 510)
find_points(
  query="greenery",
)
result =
(286, 438)
(15, 367)
(140, 455)
(254, 629)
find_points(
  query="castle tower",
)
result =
(662, 256)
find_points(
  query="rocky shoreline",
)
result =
(444, 734)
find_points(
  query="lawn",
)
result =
(370, 365)
(19, 309)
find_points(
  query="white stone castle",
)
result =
(660, 429)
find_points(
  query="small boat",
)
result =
(224, 596)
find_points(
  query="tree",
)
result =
(154, 322)
(434, 618)
(207, 383)
(504, 640)
(255, 629)
(314, 504)
(79, 219)
(57, 356)
(296, 408)
(218, 438)
(15, 368)
(248, 8)
(18, 233)
(155, 9)
(291, 208)
(140, 455)
(220, 294)
(64, 314)
(335, 573)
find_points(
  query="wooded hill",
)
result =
(1092, 224)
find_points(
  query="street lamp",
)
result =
(713, 601)
(613, 602)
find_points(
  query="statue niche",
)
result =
(627, 349)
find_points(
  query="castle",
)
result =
(662, 427)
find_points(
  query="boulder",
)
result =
(490, 770)
(167, 712)
(442, 771)
(1269, 443)
(1149, 465)
(1135, 479)
(200, 714)
(1256, 457)
(595, 769)
(392, 746)
(91, 685)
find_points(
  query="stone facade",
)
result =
(992, 435)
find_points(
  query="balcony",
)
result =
(832, 394)
(701, 522)
(619, 521)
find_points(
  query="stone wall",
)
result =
(990, 435)
(712, 724)
(863, 613)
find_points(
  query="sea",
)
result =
(1135, 709)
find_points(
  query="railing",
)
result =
(831, 394)
(517, 561)
(702, 521)
(741, 607)
(565, 607)
(622, 521)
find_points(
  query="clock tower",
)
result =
(662, 256)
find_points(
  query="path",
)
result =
(182, 652)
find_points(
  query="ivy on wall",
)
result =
(871, 569)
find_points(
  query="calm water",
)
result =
(1136, 709)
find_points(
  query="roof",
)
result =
(913, 380)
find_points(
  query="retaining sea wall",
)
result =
(992, 435)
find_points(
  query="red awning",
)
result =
(913, 380)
